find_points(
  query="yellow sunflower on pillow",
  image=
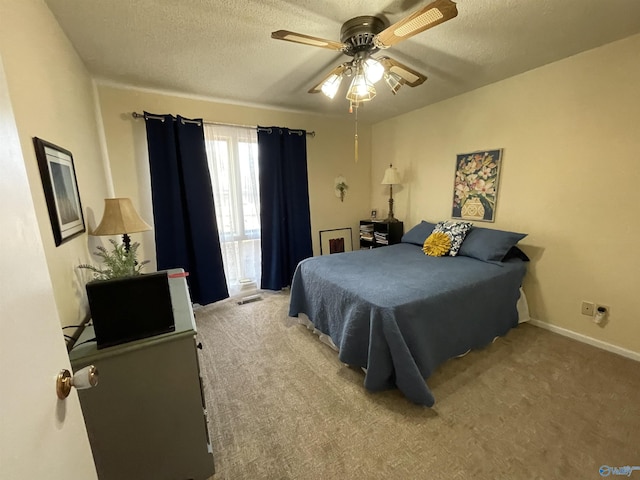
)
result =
(437, 244)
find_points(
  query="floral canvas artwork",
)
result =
(475, 189)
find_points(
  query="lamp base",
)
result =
(390, 218)
(126, 240)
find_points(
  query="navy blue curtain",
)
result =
(184, 215)
(284, 204)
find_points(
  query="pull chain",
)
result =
(356, 136)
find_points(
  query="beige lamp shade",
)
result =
(391, 176)
(119, 218)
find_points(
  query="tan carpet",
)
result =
(533, 405)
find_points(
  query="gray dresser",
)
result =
(146, 418)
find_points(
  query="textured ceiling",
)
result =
(223, 48)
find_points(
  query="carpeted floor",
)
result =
(533, 405)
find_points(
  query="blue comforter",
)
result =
(400, 313)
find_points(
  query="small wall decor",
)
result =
(341, 187)
(475, 189)
(60, 190)
(336, 240)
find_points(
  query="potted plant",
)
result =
(117, 263)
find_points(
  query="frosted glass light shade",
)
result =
(361, 90)
(394, 81)
(373, 70)
(331, 85)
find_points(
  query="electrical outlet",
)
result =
(587, 309)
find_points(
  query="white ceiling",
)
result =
(223, 48)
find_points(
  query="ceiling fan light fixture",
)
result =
(331, 85)
(373, 70)
(394, 81)
(363, 36)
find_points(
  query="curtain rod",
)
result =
(312, 133)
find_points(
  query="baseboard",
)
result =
(585, 339)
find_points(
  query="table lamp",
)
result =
(391, 178)
(120, 218)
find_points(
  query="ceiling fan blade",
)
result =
(433, 14)
(409, 75)
(336, 71)
(308, 40)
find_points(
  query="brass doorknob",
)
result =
(82, 379)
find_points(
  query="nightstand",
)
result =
(375, 233)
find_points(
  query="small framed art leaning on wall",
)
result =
(336, 240)
(60, 190)
(475, 188)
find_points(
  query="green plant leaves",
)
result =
(116, 263)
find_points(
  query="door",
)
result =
(41, 437)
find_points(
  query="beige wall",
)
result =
(52, 97)
(330, 153)
(570, 175)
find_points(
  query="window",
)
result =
(232, 153)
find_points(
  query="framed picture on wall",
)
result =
(475, 188)
(60, 190)
(336, 240)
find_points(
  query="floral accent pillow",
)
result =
(456, 231)
(437, 244)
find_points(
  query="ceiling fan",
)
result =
(360, 38)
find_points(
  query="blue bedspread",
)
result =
(400, 313)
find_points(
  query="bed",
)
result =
(398, 313)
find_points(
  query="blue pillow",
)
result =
(418, 234)
(488, 244)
